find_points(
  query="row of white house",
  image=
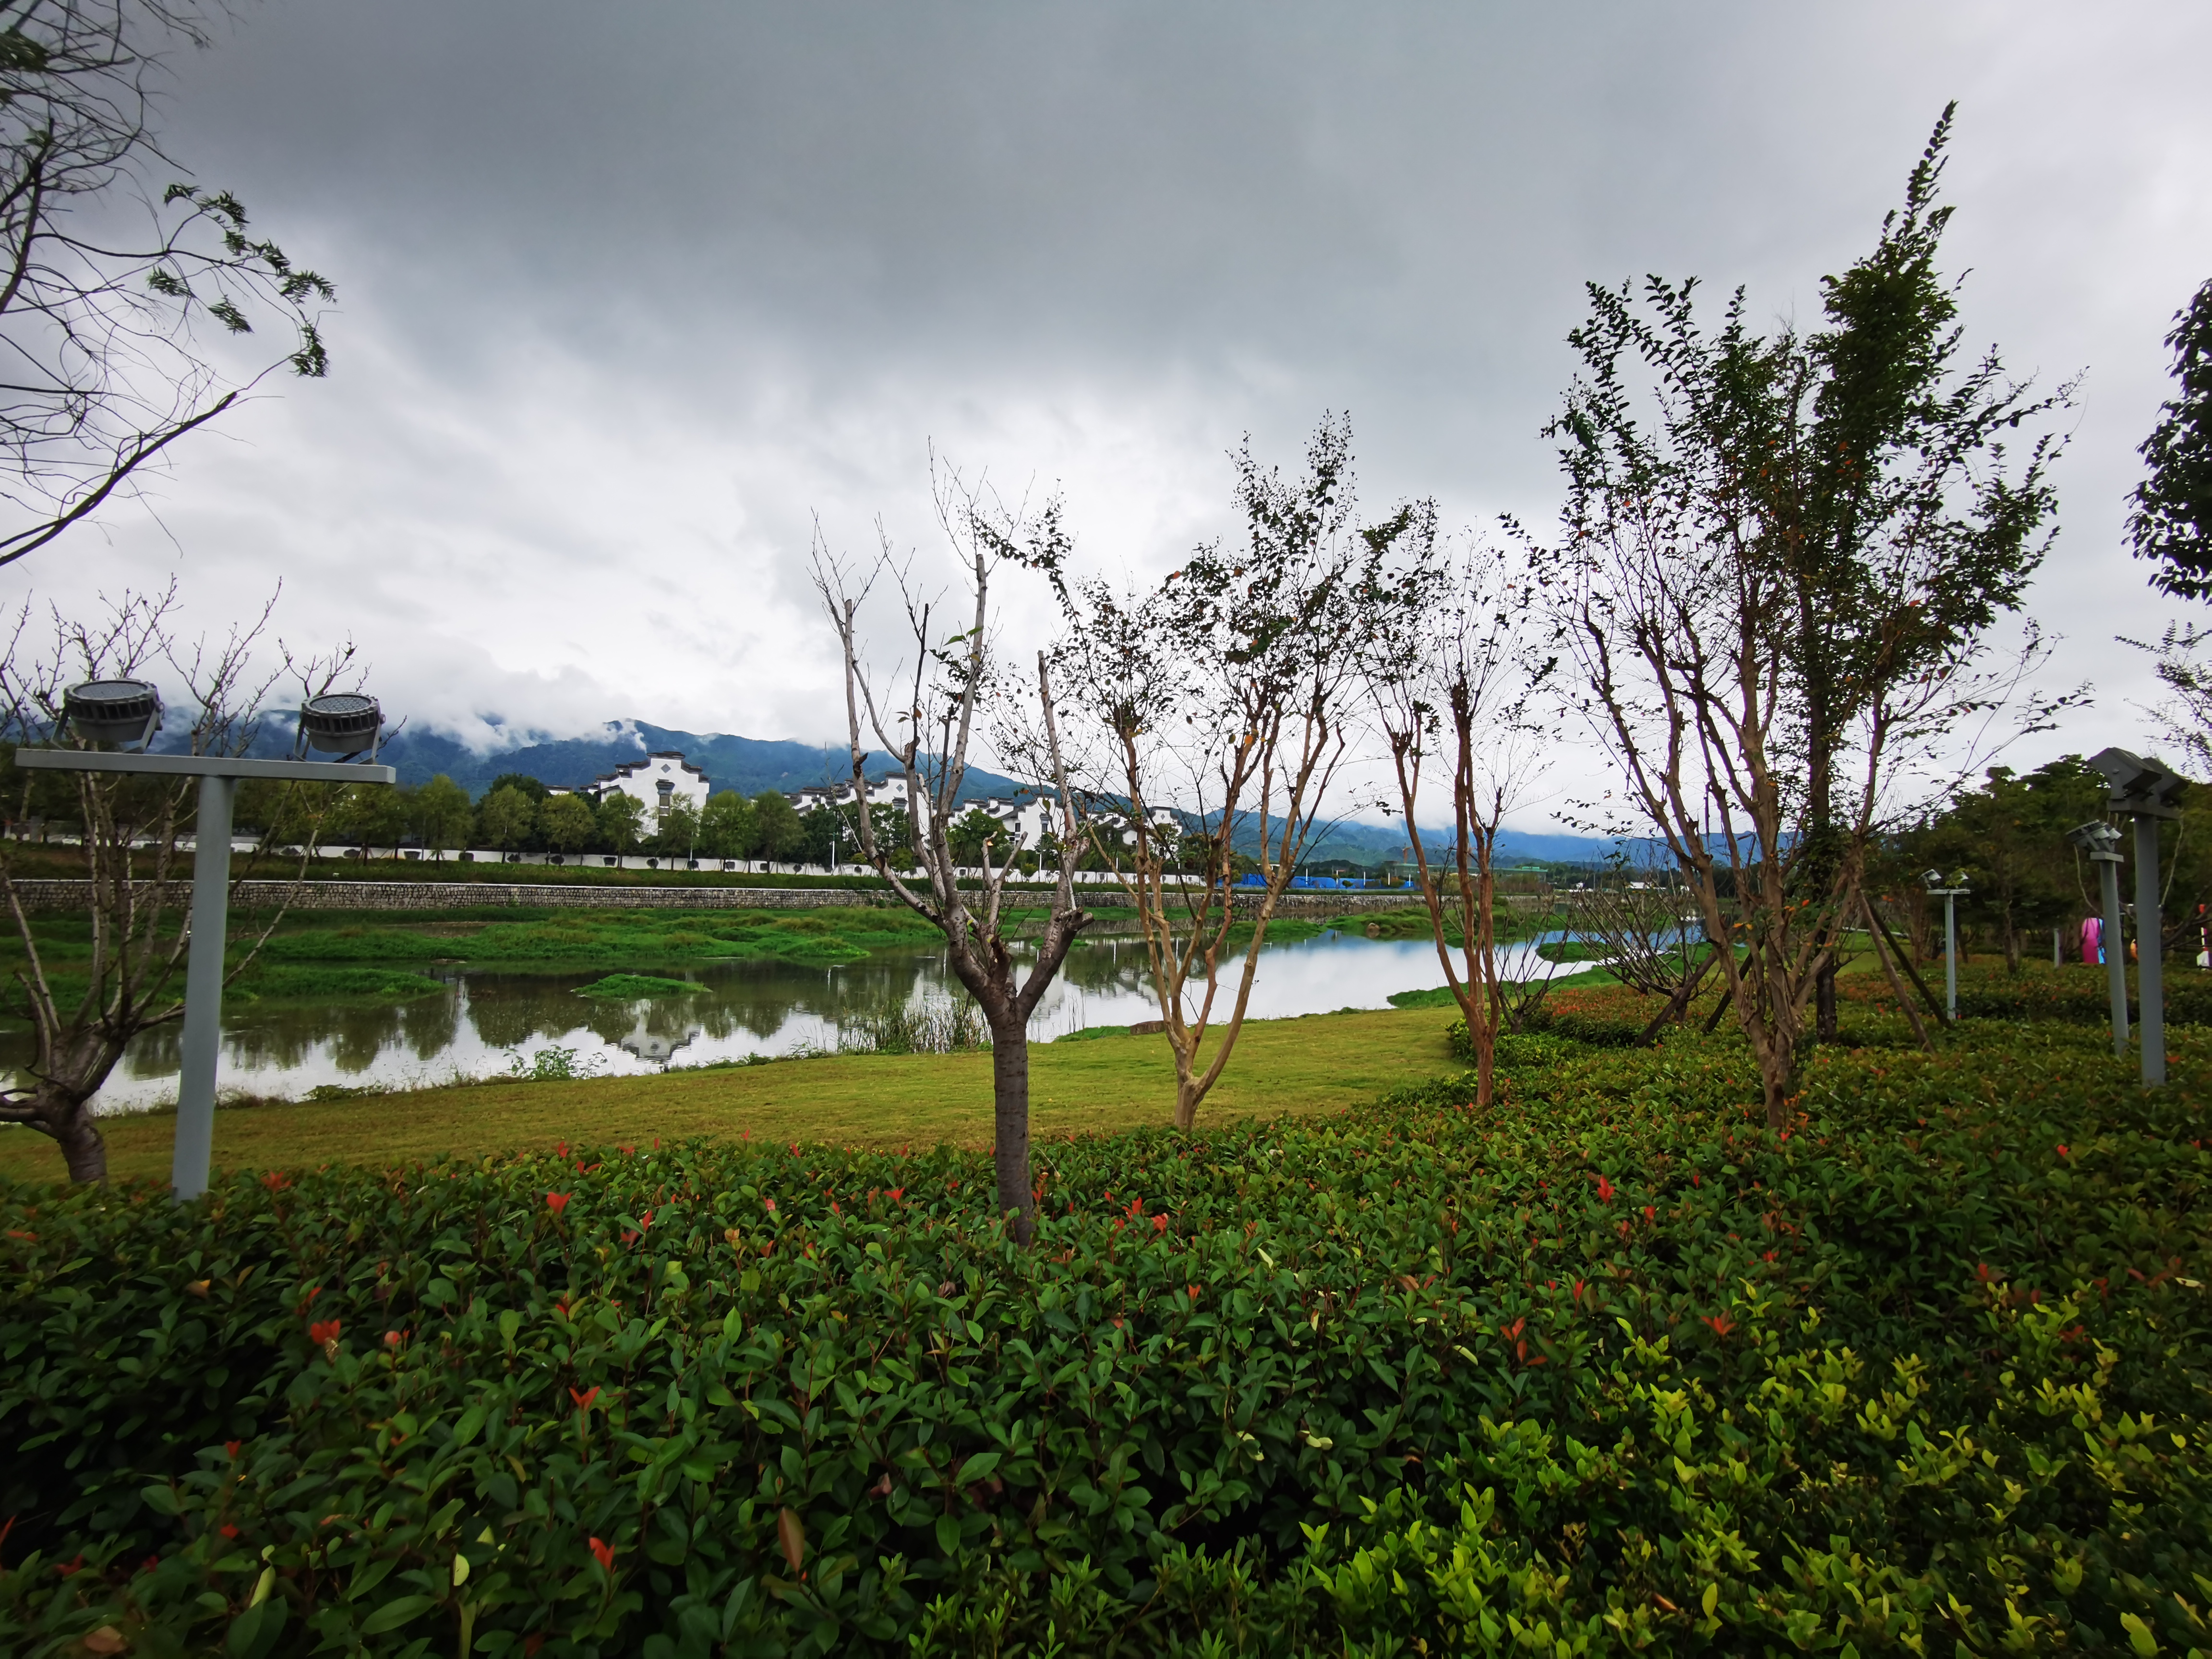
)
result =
(664, 777)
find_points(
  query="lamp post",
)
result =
(1950, 895)
(2102, 841)
(130, 711)
(2149, 793)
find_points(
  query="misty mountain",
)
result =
(750, 765)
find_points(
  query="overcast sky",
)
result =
(630, 293)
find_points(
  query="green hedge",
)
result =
(1606, 1366)
(2075, 995)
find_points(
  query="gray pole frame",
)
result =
(2150, 944)
(220, 776)
(2115, 948)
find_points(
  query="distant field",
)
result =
(1321, 1063)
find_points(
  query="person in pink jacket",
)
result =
(2093, 940)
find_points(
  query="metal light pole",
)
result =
(2147, 793)
(332, 728)
(2102, 841)
(1950, 895)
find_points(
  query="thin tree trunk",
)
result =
(1896, 985)
(1679, 1004)
(1009, 1120)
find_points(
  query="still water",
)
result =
(482, 1024)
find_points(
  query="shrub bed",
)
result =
(2077, 993)
(1606, 1368)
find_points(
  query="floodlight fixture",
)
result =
(342, 723)
(2098, 838)
(113, 711)
(2139, 785)
(345, 724)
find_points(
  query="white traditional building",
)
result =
(657, 782)
(889, 790)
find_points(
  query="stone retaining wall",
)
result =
(44, 894)
(65, 894)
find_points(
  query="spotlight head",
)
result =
(2139, 785)
(2098, 839)
(1931, 879)
(340, 723)
(113, 711)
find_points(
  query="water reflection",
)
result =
(481, 1024)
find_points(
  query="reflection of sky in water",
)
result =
(482, 1021)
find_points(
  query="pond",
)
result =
(488, 1024)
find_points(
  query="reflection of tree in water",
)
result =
(509, 1010)
(1114, 963)
(430, 1024)
(362, 1034)
(741, 1004)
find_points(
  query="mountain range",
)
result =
(750, 765)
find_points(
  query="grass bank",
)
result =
(1324, 1062)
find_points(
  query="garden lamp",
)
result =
(127, 711)
(1932, 880)
(2149, 794)
(2102, 841)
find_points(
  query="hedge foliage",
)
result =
(1605, 1369)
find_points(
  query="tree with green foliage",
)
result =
(2170, 513)
(776, 834)
(1231, 690)
(2008, 835)
(565, 823)
(621, 821)
(373, 815)
(973, 832)
(726, 826)
(505, 818)
(1780, 564)
(439, 814)
(676, 834)
(531, 787)
(824, 834)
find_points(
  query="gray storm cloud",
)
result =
(629, 294)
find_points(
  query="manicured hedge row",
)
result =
(1606, 1366)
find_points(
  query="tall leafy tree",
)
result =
(2170, 516)
(1781, 560)
(621, 820)
(564, 823)
(1883, 492)
(776, 834)
(726, 827)
(505, 818)
(439, 814)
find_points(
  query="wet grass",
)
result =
(1321, 1063)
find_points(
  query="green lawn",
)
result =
(1323, 1062)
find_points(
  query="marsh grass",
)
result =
(632, 988)
(933, 1028)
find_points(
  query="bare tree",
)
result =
(1632, 908)
(1449, 668)
(1215, 712)
(955, 681)
(110, 272)
(131, 827)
